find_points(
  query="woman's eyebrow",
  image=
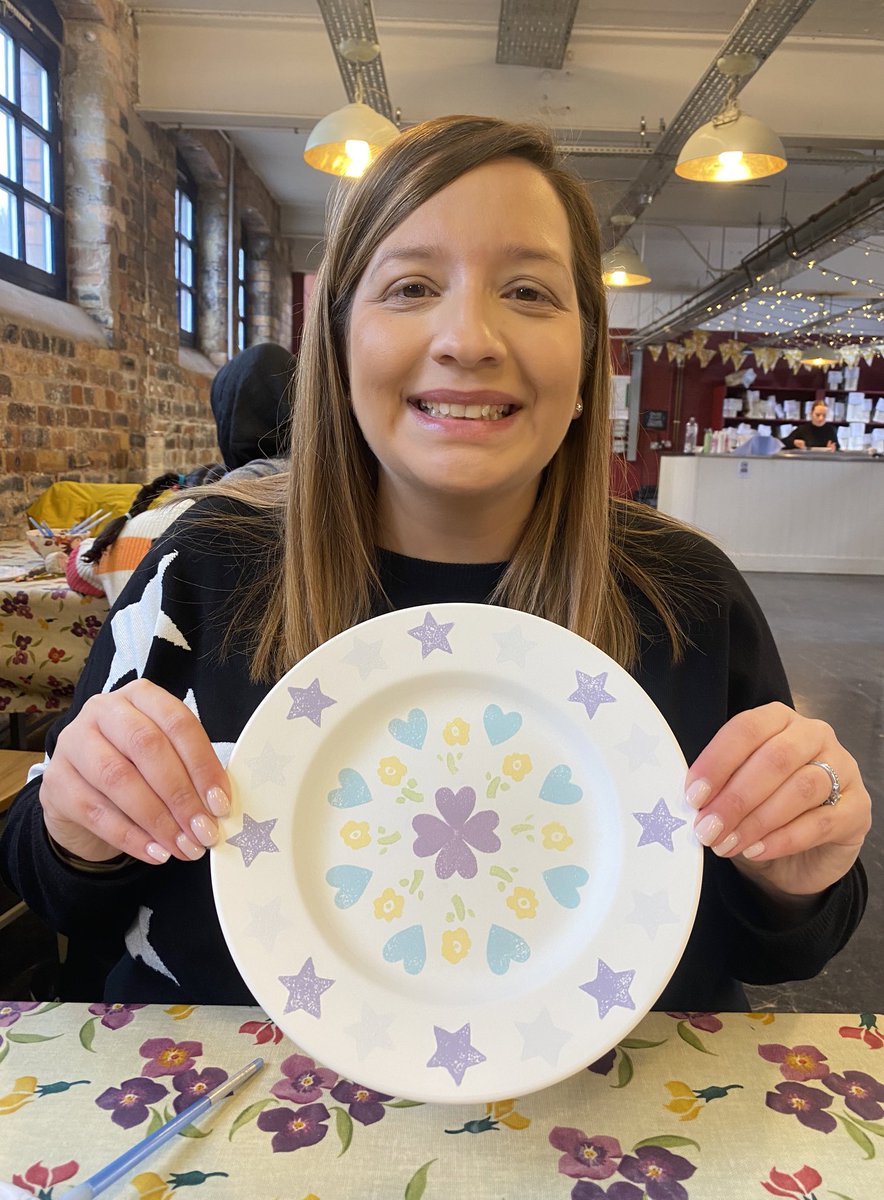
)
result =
(512, 252)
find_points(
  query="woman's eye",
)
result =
(411, 291)
(531, 294)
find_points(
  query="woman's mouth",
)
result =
(465, 412)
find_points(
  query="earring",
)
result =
(579, 409)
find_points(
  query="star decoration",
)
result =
(639, 748)
(309, 702)
(135, 627)
(591, 692)
(658, 825)
(432, 636)
(269, 766)
(455, 1052)
(139, 947)
(366, 657)
(514, 647)
(254, 839)
(267, 923)
(223, 749)
(304, 990)
(371, 1032)
(610, 989)
(543, 1039)
(651, 912)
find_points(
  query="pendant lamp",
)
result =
(622, 266)
(346, 141)
(732, 147)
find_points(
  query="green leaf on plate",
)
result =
(249, 1114)
(417, 1185)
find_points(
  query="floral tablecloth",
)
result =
(46, 632)
(692, 1106)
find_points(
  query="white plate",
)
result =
(427, 957)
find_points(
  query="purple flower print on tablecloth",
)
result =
(129, 1101)
(293, 1129)
(193, 1085)
(798, 1063)
(706, 1021)
(586, 1156)
(363, 1104)
(304, 1081)
(658, 1171)
(167, 1057)
(805, 1103)
(585, 1189)
(17, 606)
(862, 1094)
(115, 1016)
(605, 1064)
(452, 837)
(11, 1010)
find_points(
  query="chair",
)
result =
(14, 767)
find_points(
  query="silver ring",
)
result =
(835, 794)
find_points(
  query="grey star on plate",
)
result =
(254, 839)
(135, 627)
(455, 1052)
(651, 911)
(591, 692)
(640, 748)
(432, 636)
(268, 921)
(269, 766)
(658, 825)
(309, 702)
(371, 1032)
(514, 647)
(543, 1039)
(610, 989)
(366, 657)
(305, 990)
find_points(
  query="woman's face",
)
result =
(818, 415)
(464, 348)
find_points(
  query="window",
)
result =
(31, 217)
(185, 254)
(241, 302)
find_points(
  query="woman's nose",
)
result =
(468, 331)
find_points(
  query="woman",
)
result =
(816, 434)
(450, 442)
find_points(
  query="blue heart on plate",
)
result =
(500, 726)
(558, 789)
(504, 948)
(352, 792)
(350, 882)
(409, 948)
(411, 732)
(563, 884)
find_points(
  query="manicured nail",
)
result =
(754, 850)
(186, 846)
(727, 845)
(697, 793)
(205, 830)
(709, 828)
(218, 802)
(158, 852)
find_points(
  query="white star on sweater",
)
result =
(135, 627)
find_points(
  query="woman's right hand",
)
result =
(134, 772)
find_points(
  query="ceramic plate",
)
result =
(459, 865)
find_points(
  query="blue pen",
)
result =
(135, 1154)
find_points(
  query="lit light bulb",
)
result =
(617, 278)
(732, 168)
(358, 157)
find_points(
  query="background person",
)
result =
(816, 434)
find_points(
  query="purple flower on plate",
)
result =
(585, 1189)
(706, 1021)
(115, 1016)
(292, 1129)
(304, 1081)
(364, 1105)
(168, 1057)
(803, 1102)
(129, 1101)
(658, 1171)
(862, 1094)
(193, 1085)
(586, 1156)
(11, 1010)
(798, 1063)
(452, 837)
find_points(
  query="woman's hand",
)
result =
(762, 803)
(134, 772)
(800, 444)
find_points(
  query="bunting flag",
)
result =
(705, 357)
(767, 356)
(675, 352)
(654, 351)
(868, 353)
(793, 358)
(695, 341)
(732, 351)
(850, 355)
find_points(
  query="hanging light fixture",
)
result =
(622, 266)
(817, 357)
(346, 141)
(732, 146)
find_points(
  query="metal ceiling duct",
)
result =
(534, 33)
(347, 20)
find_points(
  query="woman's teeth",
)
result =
(469, 412)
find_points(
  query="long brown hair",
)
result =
(578, 545)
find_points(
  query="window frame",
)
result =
(242, 295)
(37, 37)
(186, 185)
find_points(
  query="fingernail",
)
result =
(754, 850)
(186, 846)
(697, 793)
(158, 852)
(709, 828)
(218, 802)
(727, 845)
(205, 829)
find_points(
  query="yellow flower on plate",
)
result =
(555, 837)
(457, 732)
(391, 770)
(517, 766)
(22, 1093)
(180, 1012)
(388, 905)
(504, 1112)
(523, 902)
(683, 1101)
(355, 834)
(456, 944)
(150, 1186)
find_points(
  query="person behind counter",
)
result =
(816, 434)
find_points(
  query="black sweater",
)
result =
(731, 664)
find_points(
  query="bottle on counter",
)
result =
(690, 437)
(707, 442)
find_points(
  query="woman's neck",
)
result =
(454, 530)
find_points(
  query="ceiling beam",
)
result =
(353, 21)
(535, 33)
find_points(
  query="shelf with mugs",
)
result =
(743, 420)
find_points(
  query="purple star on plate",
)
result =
(658, 825)
(591, 692)
(254, 839)
(309, 702)
(455, 1052)
(304, 989)
(610, 988)
(432, 636)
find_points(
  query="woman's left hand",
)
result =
(762, 801)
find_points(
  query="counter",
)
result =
(805, 512)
